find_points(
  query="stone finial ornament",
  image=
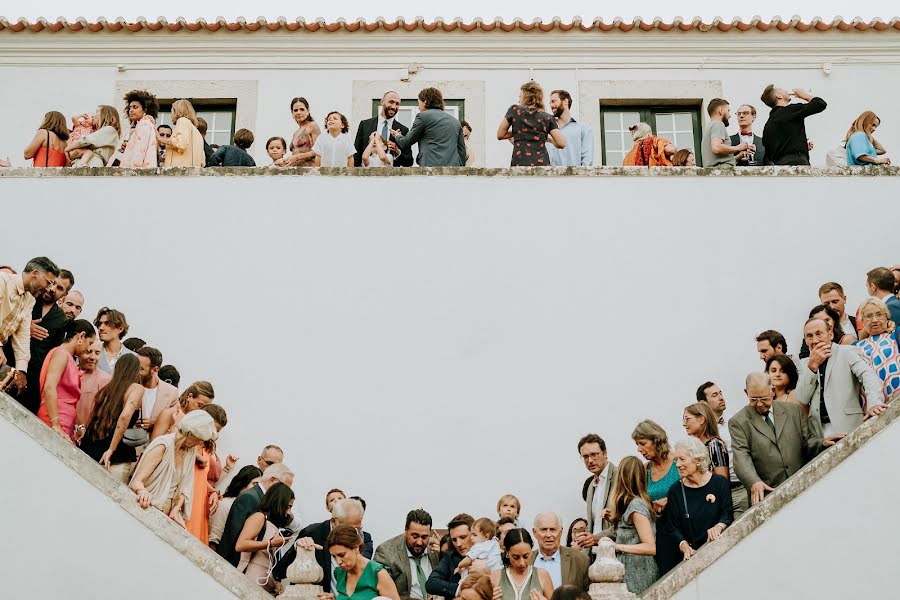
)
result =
(302, 577)
(607, 574)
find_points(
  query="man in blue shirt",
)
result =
(579, 150)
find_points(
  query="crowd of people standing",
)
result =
(538, 137)
(112, 396)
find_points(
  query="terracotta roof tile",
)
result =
(419, 24)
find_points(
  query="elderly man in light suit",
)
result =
(830, 381)
(592, 449)
(771, 440)
(566, 566)
(408, 557)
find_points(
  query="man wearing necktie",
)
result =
(383, 123)
(566, 566)
(771, 440)
(408, 557)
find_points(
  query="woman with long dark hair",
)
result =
(303, 139)
(116, 408)
(48, 146)
(242, 481)
(520, 578)
(256, 552)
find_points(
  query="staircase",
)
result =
(828, 532)
(69, 530)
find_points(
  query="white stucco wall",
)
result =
(63, 538)
(440, 341)
(73, 73)
(836, 540)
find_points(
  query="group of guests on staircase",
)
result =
(115, 399)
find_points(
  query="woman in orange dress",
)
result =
(205, 499)
(48, 146)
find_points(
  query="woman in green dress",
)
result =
(357, 577)
(519, 580)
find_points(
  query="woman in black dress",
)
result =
(698, 508)
(529, 127)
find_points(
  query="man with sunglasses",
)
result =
(17, 299)
(746, 116)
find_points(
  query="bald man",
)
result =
(771, 440)
(72, 304)
(566, 566)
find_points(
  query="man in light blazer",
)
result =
(830, 380)
(592, 449)
(771, 440)
(439, 134)
(165, 394)
(566, 566)
(408, 557)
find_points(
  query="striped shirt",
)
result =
(718, 453)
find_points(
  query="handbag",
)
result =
(136, 436)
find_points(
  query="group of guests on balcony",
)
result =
(112, 396)
(539, 138)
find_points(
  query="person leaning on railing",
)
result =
(862, 148)
(879, 345)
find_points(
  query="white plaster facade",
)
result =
(74, 71)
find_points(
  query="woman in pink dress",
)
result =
(61, 379)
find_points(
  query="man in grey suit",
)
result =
(408, 557)
(746, 115)
(592, 449)
(566, 566)
(439, 134)
(829, 383)
(771, 440)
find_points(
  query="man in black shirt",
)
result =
(784, 135)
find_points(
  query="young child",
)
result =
(486, 547)
(275, 148)
(334, 148)
(509, 506)
(376, 153)
(82, 125)
(234, 155)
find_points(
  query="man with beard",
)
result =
(158, 394)
(383, 124)
(407, 557)
(48, 324)
(746, 115)
(713, 147)
(92, 379)
(579, 150)
(72, 304)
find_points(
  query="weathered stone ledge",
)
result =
(165, 529)
(877, 171)
(795, 485)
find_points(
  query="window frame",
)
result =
(207, 105)
(648, 113)
(459, 103)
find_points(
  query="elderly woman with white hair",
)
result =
(879, 344)
(699, 506)
(164, 477)
(649, 150)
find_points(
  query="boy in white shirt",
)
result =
(486, 547)
(334, 148)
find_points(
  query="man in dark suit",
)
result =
(438, 134)
(408, 558)
(443, 581)
(746, 115)
(48, 324)
(345, 512)
(384, 123)
(566, 566)
(245, 505)
(771, 440)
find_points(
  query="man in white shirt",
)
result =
(408, 557)
(711, 395)
(592, 449)
(383, 123)
(566, 566)
(158, 395)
